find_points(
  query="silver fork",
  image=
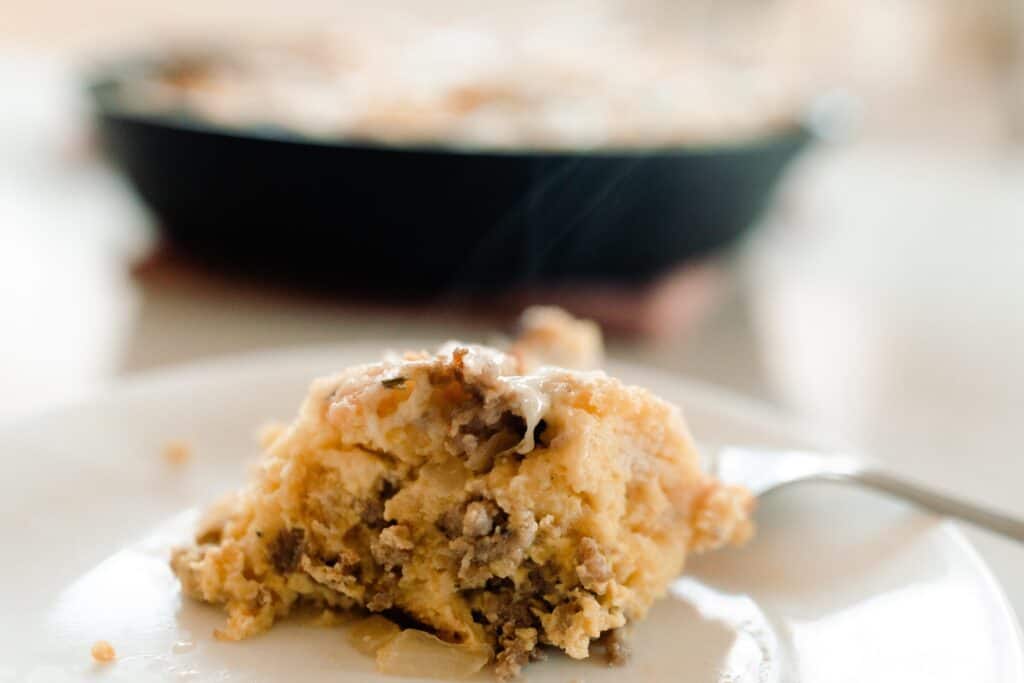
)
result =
(765, 470)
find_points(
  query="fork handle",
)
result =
(939, 503)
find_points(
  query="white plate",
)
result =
(838, 586)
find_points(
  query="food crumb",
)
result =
(177, 452)
(102, 651)
(616, 647)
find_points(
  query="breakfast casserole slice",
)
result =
(494, 502)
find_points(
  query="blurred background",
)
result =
(854, 172)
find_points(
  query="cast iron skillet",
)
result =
(424, 220)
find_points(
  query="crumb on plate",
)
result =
(616, 647)
(177, 452)
(102, 651)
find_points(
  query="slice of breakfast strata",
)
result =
(489, 500)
